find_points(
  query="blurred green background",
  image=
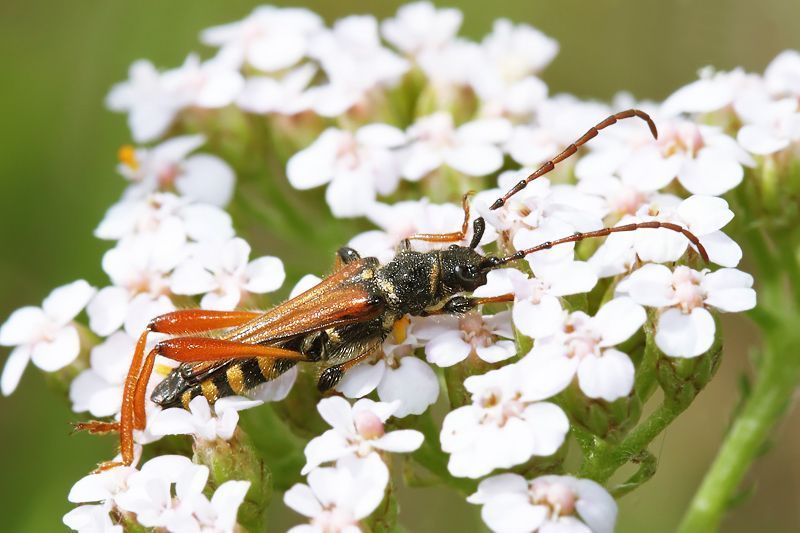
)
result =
(57, 178)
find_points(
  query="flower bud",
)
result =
(608, 420)
(682, 379)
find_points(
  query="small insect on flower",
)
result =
(336, 324)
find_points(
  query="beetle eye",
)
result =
(467, 274)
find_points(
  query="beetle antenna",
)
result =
(495, 262)
(478, 227)
(572, 148)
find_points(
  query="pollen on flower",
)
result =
(558, 497)
(127, 156)
(688, 292)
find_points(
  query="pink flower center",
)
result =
(581, 339)
(333, 520)
(556, 496)
(368, 425)
(475, 331)
(686, 284)
(684, 138)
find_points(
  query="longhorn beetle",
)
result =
(338, 323)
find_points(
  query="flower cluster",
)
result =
(397, 119)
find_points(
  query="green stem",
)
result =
(604, 463)
(774, 388)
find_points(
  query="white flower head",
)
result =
(224, 273)
(150, 104)
(355, 62)
(511, 504)
(685, 327)
(782, 76)
(269, 39)
(397, 375)
(506, 76)
(98, 389)
(199, 420)
(167, 212)
(471, 148)
(585, 346)
(44, 335)
(285, 96)
(203, 178)
(357, 167)
(401, 220)
(537, 308)
(337, 498)
(704, 216)
(452, 339)
(506, 423)
(357, 430)
(420, 26)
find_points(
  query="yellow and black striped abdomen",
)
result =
(233, 378)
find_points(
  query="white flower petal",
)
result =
(57, 353)
(302, 499)
(265, 274)
(337, 412)
(538, 320)
(685, 335)
(618, 320)
(549, 425)
(413, 383)
(361, 380)
(206, 179)
(13, 369)
(447, 349)
(513, 513)
(609, 376)
(64, 303)
(25, 325)
(400, 441)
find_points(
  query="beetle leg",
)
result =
(455, 236)
(458, 305)
(329, 377)
(132, 413)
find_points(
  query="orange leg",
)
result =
(456, 236)
(133, 412)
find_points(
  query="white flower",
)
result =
(539, 213)
(401, 220)
(139, 268)
(512, 56)
(337, 498)
(770, 125)
(150, 104)
(355, 62)
(269, 39)
(537, 308)
(286, 96)
(91, 519)
(357, 167)
(98, 389)
(149, 492)
(685, 327)
(471, 148)
(506, 423)
(200, 177)
(357, 430)
(712, 92)
(44, 334)
(565, 504)
(449, 69)
(420, 26)
(451, 339)
(165, 211)
(208, 84)
(557, 123)
(704, 216)
(585, 345)
(199, 421)
(397, 375)
(703, 158)
(782, 76)
(219, 514)
(223, 273)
